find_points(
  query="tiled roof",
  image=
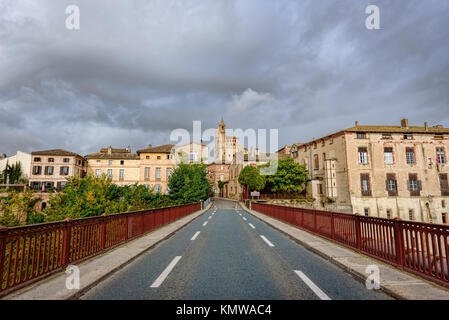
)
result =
(113, 150)
(55, 152)
(397, 129)
(166, 148)
(101, 155)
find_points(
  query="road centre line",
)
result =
(267, 241)
(312, 286)
(166, 272)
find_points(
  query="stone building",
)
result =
(122, 166)
(51, 168)
(20, 157)
(381, 171)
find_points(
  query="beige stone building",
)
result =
(156, 166)
(51, 168)
(121, 165)
(381, 171)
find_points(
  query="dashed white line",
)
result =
(267, 241)
(195, 235)
(244, 218)
(204, 224)
(251, 225)
(312, 286)
(210, 217)
(165, 273)
(240, 214)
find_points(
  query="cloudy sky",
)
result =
(138, 69)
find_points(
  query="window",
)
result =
(110, 162)
(122, 162)
(366, 211)
(49, 170)
(408, 136)
(147, 186)
(122, 174)
(159, 157)
(51, 159)
(98, 172)
(410, 155)
(98, 161)
(37, 159)
(411, 214)
(316, 162)
(361, 135)
(158, 173)
(147, 173)
(388, 213)
(157, 188)
(320, 188)
(386, 135)
(414, 185)
(147, 157)
(66, 160)
(392, 186)
(366, 187)
(193, 156)
(169, 173)
(221, 177)
(169, 156)
(444, 186)
(444, 217)
(36, 169)
(388, 155)
(363, 155)
(64, 171)
(441, 156)
(109, 173)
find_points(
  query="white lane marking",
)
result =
(204, 224)
(195, 235)
(240, 214)
(250, 224)
(244, 218)
(312, 286)
(165, 273)
(210, 217)
(267, 241)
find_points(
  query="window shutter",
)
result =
(419, 185)
(408, 185)
(386, 184)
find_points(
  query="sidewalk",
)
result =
(399, 284)
(94, 270)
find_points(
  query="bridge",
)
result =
(230, 252)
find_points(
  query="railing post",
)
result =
(358, 232)
(2, 252)
(314, 220)
(67, 238)
(332, 226)
(126, 227)
(398, 243)
(103, 231)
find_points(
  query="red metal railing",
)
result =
(30, 253)
(417, 247)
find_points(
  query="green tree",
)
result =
(251, 177)
(188, 183)
(19, 208)
(290, 177)
(12, 174)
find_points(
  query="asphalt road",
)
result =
(227, 253)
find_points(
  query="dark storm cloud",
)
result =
(138, 69)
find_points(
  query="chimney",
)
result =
(110, 150)
(404, 123)
(426, 126)
(356, 123)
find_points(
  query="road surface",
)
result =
(228, 254)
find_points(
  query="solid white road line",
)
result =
(204, 224)
(195, 235)
(244, 218)
(252, 226)
(165, 273)
(312, 286)
(267, 241)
